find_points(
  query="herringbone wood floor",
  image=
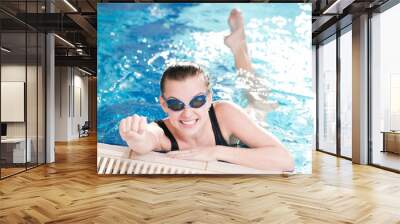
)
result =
(70, 191)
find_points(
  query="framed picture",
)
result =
(204, 88)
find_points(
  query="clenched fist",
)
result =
(134, 131)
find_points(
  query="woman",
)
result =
(197, 128)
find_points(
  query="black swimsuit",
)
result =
(219, 139)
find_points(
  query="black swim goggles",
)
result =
(177, 105)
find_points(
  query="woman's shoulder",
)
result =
(227, 111)
(223, 107)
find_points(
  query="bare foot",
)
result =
(236, 40)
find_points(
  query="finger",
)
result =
(128, 124)
(142, 125)
(135, 123)
(122, 125)
(122, 128)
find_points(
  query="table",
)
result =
(391, 141)
(16, 148)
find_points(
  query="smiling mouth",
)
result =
(189, 122)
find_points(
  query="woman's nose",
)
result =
(187, 112)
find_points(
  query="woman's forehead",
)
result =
(185, 89)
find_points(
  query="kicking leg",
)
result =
(236, 41)
(256, 92)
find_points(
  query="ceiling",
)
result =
(76, 22)
(329, 16)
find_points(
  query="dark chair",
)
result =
(84, 130)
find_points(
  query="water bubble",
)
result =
(137, 74)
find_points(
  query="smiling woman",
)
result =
(199, 129)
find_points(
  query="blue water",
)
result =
(136, 41)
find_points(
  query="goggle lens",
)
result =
(175, 104)
(198, 101)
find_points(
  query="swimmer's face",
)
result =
(188, 120)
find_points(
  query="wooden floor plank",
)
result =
(70, 191)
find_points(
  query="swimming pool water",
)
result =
(136, 41)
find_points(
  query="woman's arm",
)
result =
(140, 136)
(263, 158)
(269, 158)
(265, 152)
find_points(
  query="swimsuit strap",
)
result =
(174, 143)
(219, 138)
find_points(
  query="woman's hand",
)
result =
(133, 131)
(198, 154)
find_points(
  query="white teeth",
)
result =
(189, 122)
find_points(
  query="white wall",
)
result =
(61, 103)
(33, 127)
(70, 84)
(81, 82)
(14, 73)
(17, 73)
